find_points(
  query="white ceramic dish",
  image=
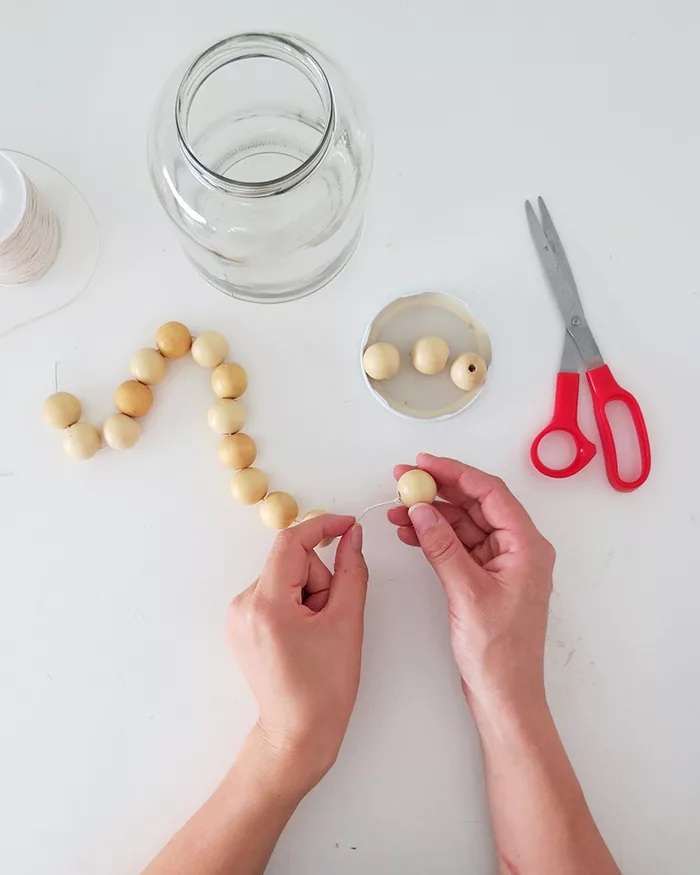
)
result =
(402, 322)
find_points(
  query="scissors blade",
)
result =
(566, 297)
(570, 356)
(550, 232)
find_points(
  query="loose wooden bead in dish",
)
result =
(468, 371)
(429, 355)
(381, 361)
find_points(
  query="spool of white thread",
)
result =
(29, 231)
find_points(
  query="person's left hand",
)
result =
(297, 635)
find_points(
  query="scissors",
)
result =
(580, 345)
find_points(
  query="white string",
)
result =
(32, 248)
(394, 501)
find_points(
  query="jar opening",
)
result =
(256, 128)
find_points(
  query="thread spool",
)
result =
(77, 250)
(29, 230)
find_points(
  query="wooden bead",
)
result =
(61, 410)
(416, 487)
(311, 515)
(209, 349)
(121, 431)
(82, 440)
(249, 486)
(133, 398)
(430, 354)
(237, 451)
(468, 371)
(381, 361)
(147, 366)
(279, 510)
(229, 380)
(173, 340)
(226, 416)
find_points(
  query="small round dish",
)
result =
(402, 322)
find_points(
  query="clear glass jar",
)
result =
(263, 165)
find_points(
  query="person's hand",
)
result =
(496, 569)
(297, 635)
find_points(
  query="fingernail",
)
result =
(356, 538)
(423, 517)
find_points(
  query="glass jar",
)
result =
(263, 165)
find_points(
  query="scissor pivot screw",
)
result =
(576, 321)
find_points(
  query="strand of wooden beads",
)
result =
(134, 398)
(226, 417)
(237, 450)
(81, 440)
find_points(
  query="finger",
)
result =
(238, 609)
(287, 566)
(467, 530)
(398, 516)
(317, 601)
(487, 552)
(349, 583)
(318, 584)
(469, 506)
(443, 549)
(400, 470)
(309, 533)
(319, 575)
(500, 508)
(408, 535)
(244, 596)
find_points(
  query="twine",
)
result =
(394, 502)
(32, 248)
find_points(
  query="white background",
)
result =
(121, 707)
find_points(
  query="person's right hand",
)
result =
(297, 634)
(496, 569)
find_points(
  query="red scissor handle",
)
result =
(565, 419)
(605, 389)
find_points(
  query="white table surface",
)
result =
(121, 706)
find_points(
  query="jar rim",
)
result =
(239, 47)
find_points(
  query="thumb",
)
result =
(443, 549)
(349, 583)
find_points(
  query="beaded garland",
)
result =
(226, 417)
